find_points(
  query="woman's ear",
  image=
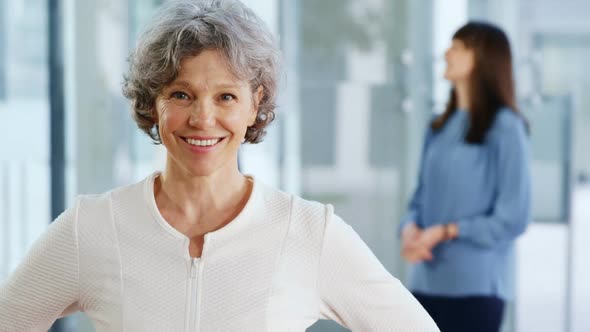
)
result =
(258, 95)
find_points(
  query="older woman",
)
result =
(200, 246)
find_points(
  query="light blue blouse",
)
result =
(486, 190)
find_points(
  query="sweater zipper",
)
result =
(193, 291)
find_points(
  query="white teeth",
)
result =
(206, 142)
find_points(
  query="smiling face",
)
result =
(203, 116)
(460, 62)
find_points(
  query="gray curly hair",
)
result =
(188, 27)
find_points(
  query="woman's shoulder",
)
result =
(509, 127)
(301, 209)
(115, 193)
(90, 208)
(303, 215)
(508, 120)
(507, 124)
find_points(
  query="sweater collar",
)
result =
(241, 221)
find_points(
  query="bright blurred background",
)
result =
(362, 77)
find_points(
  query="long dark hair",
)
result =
(491, 85)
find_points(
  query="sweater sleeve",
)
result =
(357, 292)
(45, 285)
(510, 214)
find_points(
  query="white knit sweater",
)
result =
(281, 265)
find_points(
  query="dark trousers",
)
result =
(464, 314)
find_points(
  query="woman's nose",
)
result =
(202, 115)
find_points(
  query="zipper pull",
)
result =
(194, 266)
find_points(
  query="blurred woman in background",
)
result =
(473, 195)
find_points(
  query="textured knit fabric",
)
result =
(281, 265)
(484, 188)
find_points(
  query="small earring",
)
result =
(261, 117)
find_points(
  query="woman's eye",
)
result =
(227, 97)
(179, 95)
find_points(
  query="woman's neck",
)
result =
(462, 91)
(207, 202)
